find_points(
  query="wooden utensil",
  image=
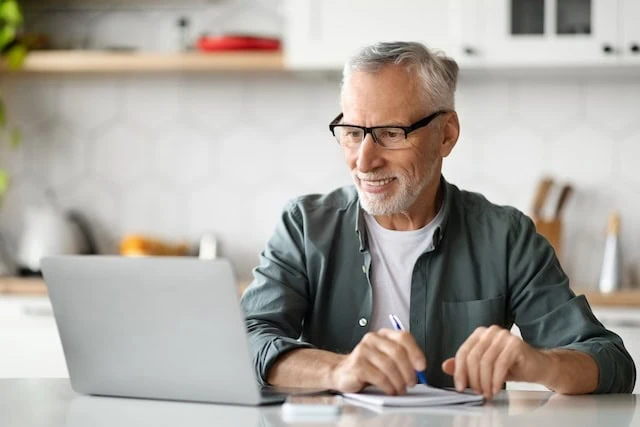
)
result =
(562, 200)
(541, 196)
(550, 228)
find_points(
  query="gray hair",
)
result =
(438, 72)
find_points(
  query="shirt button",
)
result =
(362, 322)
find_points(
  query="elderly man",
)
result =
(457, 270)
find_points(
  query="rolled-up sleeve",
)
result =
(276, 301)
(550, 315)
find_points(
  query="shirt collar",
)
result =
(361, 229)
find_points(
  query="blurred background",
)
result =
(183, 127)
(174, 151)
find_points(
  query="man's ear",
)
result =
(450, 133)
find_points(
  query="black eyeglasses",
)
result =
(391, 137)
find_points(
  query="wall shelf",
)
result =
(125, 62)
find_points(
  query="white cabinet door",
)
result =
(542, 32)
(630, 31)
(321, 34)
(468, 47)
(29, 341)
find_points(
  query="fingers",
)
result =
(369, 373)
(506, 359)
(488, 362)
(448, 366)
(460, 373)
(406, 340)
(483, 361)
(398, 354)
(388, 361)
(475, 356)
(390, 369)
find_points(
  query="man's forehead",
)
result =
(394, 85)
(389, 102)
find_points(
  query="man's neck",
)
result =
(421, 213)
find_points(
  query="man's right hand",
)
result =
(386, 359)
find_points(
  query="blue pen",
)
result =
(397, 325)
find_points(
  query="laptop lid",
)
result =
(163, 328)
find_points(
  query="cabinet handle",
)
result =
(468, 50)
(607, 48)
(635, 48)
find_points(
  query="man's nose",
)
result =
(368, 154)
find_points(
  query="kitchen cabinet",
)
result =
(629, 31)
(519, 33)
(321, 34)
(538, 32)
(29, 343)
(483, 34)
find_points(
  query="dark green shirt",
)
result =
(487, 266)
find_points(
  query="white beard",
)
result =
(398, 201)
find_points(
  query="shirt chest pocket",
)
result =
(461, 318)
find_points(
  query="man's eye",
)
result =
(391, 133)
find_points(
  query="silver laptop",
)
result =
(158, 328)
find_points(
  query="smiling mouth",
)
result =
(378, 182)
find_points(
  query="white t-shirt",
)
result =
(393, 256)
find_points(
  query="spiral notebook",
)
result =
(418, 395)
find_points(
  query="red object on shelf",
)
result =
(214, 44)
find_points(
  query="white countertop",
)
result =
(52, 403)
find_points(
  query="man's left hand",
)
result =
(491, 356)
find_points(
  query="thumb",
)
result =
(449, 366)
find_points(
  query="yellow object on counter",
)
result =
(138, 245)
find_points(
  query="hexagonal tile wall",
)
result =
(583, 155)
(267, 96)
(182, 155)
(24, 191)
(153, 101)
(516, 157)
(311, 160)
(482, 106)
(32, 100)
(613, 105)
(120, 154)
(461, 166)
(241, 156)
(57, 154)
(100, 203)
(627, 155)
(87, 102)
(218, 104)
(16, 159)
(543, 113)
(153, 208)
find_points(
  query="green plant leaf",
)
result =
(3, 115)
(15, 139)
(7, 35)
(10, 12)
(15, 56)
(4, 182)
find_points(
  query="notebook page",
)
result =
(419, 395)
